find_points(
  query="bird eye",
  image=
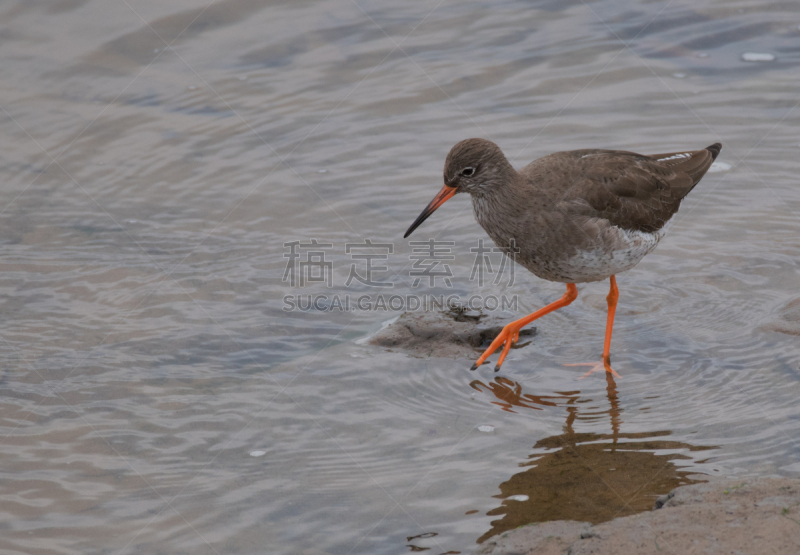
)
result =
(467, 172)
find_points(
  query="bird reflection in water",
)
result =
(586, 477)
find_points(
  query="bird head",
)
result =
(473, 166)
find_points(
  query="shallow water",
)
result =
(155, 159)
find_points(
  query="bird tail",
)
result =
(714, 150)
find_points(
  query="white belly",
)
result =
(619, 250)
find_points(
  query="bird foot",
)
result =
(508, 337)
(604, 364)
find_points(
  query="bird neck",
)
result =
(498, 201)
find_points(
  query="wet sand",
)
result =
(743, 516)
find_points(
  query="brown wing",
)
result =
(634, 191)
(694, 164)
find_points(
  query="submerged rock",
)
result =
(454, 333)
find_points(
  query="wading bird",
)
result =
(571, 217)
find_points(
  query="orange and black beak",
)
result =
(437, 201)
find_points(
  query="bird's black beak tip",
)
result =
(437, 201)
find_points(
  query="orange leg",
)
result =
(510, 333)
(613, 295)
(605, 364)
